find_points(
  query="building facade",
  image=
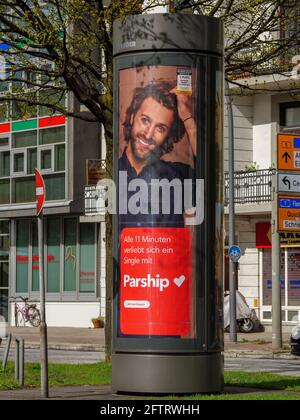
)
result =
(258, 118)
(60, 148)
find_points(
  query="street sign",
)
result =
(40, 192)
(288, 213)
(234, 253)
(289, 183)
(288, 149)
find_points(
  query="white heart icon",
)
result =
(179, 280)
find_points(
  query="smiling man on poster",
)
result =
(157, 180)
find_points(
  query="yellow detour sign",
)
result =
(288, 213)
(288, 151)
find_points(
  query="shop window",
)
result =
(293, 265)
(87, 273)
(52, 135)
(24, 139)
(70, 254)
(53, 255)
(267, 277)
(5, 191)
(31, 160)
(4, 164)
(22, 256)
(24, 190)
(35, 257)
(55, 187)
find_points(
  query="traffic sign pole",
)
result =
(40, 199)
(276, 268)
(232, 265)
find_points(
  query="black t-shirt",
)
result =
(153, 173)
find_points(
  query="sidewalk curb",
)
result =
(259, 355)
(64, 347)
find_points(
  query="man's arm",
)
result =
(184, 103)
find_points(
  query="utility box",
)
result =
(168, 232)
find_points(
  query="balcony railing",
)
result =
(94, 197)
(250, 187)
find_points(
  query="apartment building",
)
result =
(60, 148)
(258, 118)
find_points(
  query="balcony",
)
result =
(94, 195)
(251, 187)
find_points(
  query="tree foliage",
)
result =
(66, 45)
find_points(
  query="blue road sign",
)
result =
(234, 253)
(289, 203)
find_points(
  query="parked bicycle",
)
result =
(27, 312)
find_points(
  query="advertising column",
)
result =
(168, 229)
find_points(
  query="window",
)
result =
(52, 135)
(55, 187)
(290, 29)
(60, 158)
(46, 160)
(4, 141)
(31, 160)
(87, 274)
(24, 190)
(18, 163)
(4, 111)
(290, 115)
(4, 164)
(24, 139)
(22, 251)
(53, 255)
(5, 191)
(70, 254)
(35, 285)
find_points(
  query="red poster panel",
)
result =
(263, 235)
(155, 284)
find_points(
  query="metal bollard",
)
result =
(19, 360)
(6, 353)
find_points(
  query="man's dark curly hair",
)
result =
(160, 92)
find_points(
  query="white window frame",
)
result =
(27, 162)
(12, 161)
(43, 149)
(3, 151)
(6, 146)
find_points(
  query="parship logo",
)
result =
(149, 281)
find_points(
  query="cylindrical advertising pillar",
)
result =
(168, 232)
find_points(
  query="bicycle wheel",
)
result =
(34, 317)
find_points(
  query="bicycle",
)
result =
(28, 312)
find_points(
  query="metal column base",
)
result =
(158, 373)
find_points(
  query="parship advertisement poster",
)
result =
(156, 169)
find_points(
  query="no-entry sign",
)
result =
(40, 192)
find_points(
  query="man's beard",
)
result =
(153, 154)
